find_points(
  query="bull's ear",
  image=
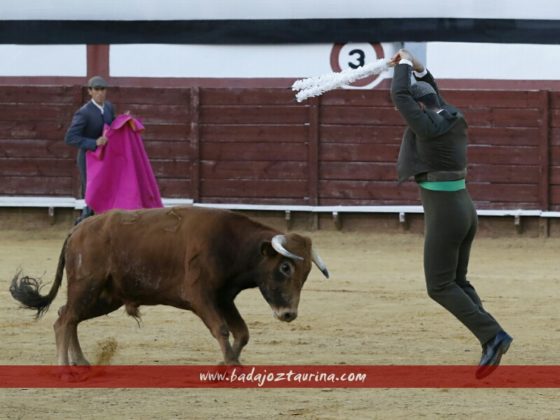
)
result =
(267, 250)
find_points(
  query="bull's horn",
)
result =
(278, 242)
(319, 263)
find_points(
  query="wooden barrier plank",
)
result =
(36, 185)
(555, 197)
(254, 188)
(515, 174)
(503, 136)
(281, 201)
(554, 134)
(460, 98)
(359, 152)
(179, 97)
(253, 114)
(555, 174)
(175, 187)
(168, 149)
(25, 166)
(171, 168)
(254, 151)
(507, 193)
(360, 115)
(254, 144)
(166, 132)
(412, 201)
(30, 129)
(544, 151)
(373, 171)
(36, 149)
(496, 117)
(367, 190)
(52, 95)
(194, 142)
(378, 190)
(500, 205)
(387, 172)
(36, 112)
(503, 155)
(555, 155)
(351, 98)
(334, 133)
(313, 150)
(160, 114)
(554, 100)
(555, 118)
(211, 169)
(248, 96)
(285, 133)
(492, 98)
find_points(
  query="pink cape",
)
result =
(119, 174)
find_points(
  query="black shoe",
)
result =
(492, 354)
(86, 212)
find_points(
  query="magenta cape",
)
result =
(119, 175)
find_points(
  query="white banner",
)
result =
(275, 9)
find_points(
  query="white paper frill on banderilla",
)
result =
(316, 86)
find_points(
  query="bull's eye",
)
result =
(286, 268)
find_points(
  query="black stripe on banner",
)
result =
(279, 31)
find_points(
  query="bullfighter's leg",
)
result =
(214, 320)
(237, 327)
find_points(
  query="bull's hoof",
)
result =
(234, 362)
(82, 362)
(73, 373)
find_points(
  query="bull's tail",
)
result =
(26, 290)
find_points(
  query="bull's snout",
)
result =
(286, 315)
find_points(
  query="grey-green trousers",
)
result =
(450, 226)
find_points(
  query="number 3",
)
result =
(361, 58)
(356, 56)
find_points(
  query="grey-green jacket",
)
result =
(432, 142)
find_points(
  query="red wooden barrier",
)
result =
(261, 146)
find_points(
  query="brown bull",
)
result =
(190, 258)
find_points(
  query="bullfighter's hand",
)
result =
(405, 55)
(417, 65)
(401, 54)
(101, 141)
(394, 60)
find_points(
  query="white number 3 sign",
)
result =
(355, 55)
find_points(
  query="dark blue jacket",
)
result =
(86, 127)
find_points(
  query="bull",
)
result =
(186, 257)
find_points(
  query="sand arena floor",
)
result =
(374, 310)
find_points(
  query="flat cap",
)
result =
(97, 82)
(420, 89)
